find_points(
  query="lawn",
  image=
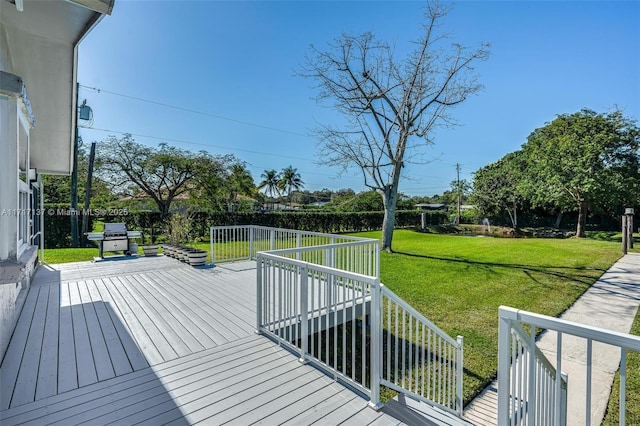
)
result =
(459, 282)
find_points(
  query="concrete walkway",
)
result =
(611, 303)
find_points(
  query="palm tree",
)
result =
(270, 182)
(290, 181)
(239, 182)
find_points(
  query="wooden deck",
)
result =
(155, 341)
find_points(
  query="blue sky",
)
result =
(229, 68)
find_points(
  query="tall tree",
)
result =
(270, 183)
(239, 182)
(390, 104)
(290, 181)
(496, 187)
(584, 160)
(218, 180)
(162, 174)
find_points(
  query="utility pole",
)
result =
(459, 190)
(87, 191)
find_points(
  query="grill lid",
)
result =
(111, 229)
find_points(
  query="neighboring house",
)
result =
(38, 74)
(426, 206)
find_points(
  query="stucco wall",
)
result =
(11, 303)
(5, 61)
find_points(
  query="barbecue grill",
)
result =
(114, 237)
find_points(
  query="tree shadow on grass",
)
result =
(527, 269)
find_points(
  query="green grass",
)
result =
(459, 282)
(633, 388)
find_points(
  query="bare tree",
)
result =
(391, 104)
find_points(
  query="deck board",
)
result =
(101, 356)
(15, 350)
(25, 388)
(184, 314)
(115, 347)
(86, 367)
(48, 368)
(67, 367)
(118, 315)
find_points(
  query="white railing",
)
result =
(321, 302)
(318, 312)
(530, 390)
(243, 242)
(418, 357)
(525, 355)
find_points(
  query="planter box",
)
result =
(151, 250)
(168, 250)
(197, 257)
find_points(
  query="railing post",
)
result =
(251, 236)
(259, 294)
(298, 243)
(376, 344)
(460, 368)
(504, 365)
(304, 314)
(272, 239)
(211, 245)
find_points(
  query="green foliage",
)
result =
(496, 188)
(290, 181)
(161, 174)
(157, 229)
(222, 183)
(366, 201)
(583, 160)
(270, 183)
(458, 282)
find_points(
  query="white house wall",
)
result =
(5, 62)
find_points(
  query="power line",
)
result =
(193, 111)
(213, 146)
(198, 143)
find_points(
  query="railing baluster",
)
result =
(388, 351)
(410, 362)
(558, 381)
(623, 386)
(589, 371)
(304, 317)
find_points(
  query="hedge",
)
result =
(57, 228)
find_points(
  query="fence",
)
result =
(323, 299)
(243, 242)
(530, 390)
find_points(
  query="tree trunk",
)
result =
(582, 219)
(390, 200)
(559, 220)
(164, 210)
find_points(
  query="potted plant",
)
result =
(197, 257)
(150, 250)
(179, 232)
